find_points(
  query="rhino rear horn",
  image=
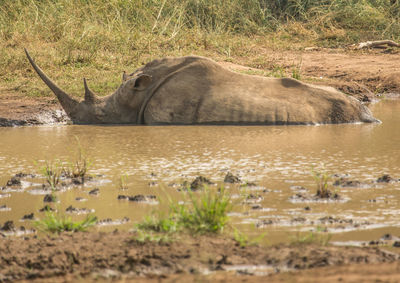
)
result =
(66, 101)
(89, 95)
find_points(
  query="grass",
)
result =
(321, 179)
(52, 171)
(318, 237)
(98, 39)
(78, 168)
(123, 179)
(57, 223)
(201, 212)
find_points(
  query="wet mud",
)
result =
(119, 255)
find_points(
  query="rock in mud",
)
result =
(386, 179)
(14, 181)
(29, 216)
(75, 210)
(199, 183)
(80, 199)
(8, 226)
(49, 198)
(46, 208)
(265, 222)
(248, 184)
(230, 178)
(109, 221)
(94, 192)
(303, 197)
(346, 183)
(4, 207)
(138, 198)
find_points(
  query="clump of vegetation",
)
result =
(122, 185)
(318, 237)
(54, 222)
(52, 172)
(321, 179)
(202, 212)
(79, 167)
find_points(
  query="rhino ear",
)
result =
(142, 82)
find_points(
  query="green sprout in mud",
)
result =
(321, 179)
(52, 171)
(244, 241)
(318, 237)
(123, 182)
(203, 212)
(80, 166)
(57, 223)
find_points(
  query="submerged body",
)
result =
(197, 90)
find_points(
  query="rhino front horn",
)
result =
(66, 101)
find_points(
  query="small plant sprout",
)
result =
(52, 171)
(321, 179)
(57, 223)
(317, 237)
(80, 166)
(123, 179)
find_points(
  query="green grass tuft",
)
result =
(201, 212)
(56, 223)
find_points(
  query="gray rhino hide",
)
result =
(197, 90)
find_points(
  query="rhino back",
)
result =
(203, 92)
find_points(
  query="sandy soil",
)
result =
(118, 255)
(363, 74)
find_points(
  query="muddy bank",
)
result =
(18, 110)
(120, 255)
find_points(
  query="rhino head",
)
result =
(123, 106)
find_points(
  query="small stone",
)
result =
(385, 179)
(122, 197)
(396, 244)
(230, 178)
(29, 216)
(256, 207)
(14, 182)
(49, 198)
(95, 191)
(80, 199)
(46, 208)
(199, 183)
(8, 226)
(307, 208)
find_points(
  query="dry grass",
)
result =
(98, 39)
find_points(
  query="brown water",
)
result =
(275, 158)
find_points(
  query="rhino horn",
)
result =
(124, 76)
(89, 95)
(66, 101)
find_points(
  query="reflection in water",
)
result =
(274, 157)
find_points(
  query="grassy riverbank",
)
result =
(99, 39)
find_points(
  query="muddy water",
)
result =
(277, 159)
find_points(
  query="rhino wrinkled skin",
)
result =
(197, 90)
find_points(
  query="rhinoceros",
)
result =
(198, 90)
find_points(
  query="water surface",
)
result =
(276, 158)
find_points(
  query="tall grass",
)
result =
(100, 38)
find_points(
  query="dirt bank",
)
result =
(363, 74)
(119, 255)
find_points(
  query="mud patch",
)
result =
(86, 254)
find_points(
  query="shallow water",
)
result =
(275, 158)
